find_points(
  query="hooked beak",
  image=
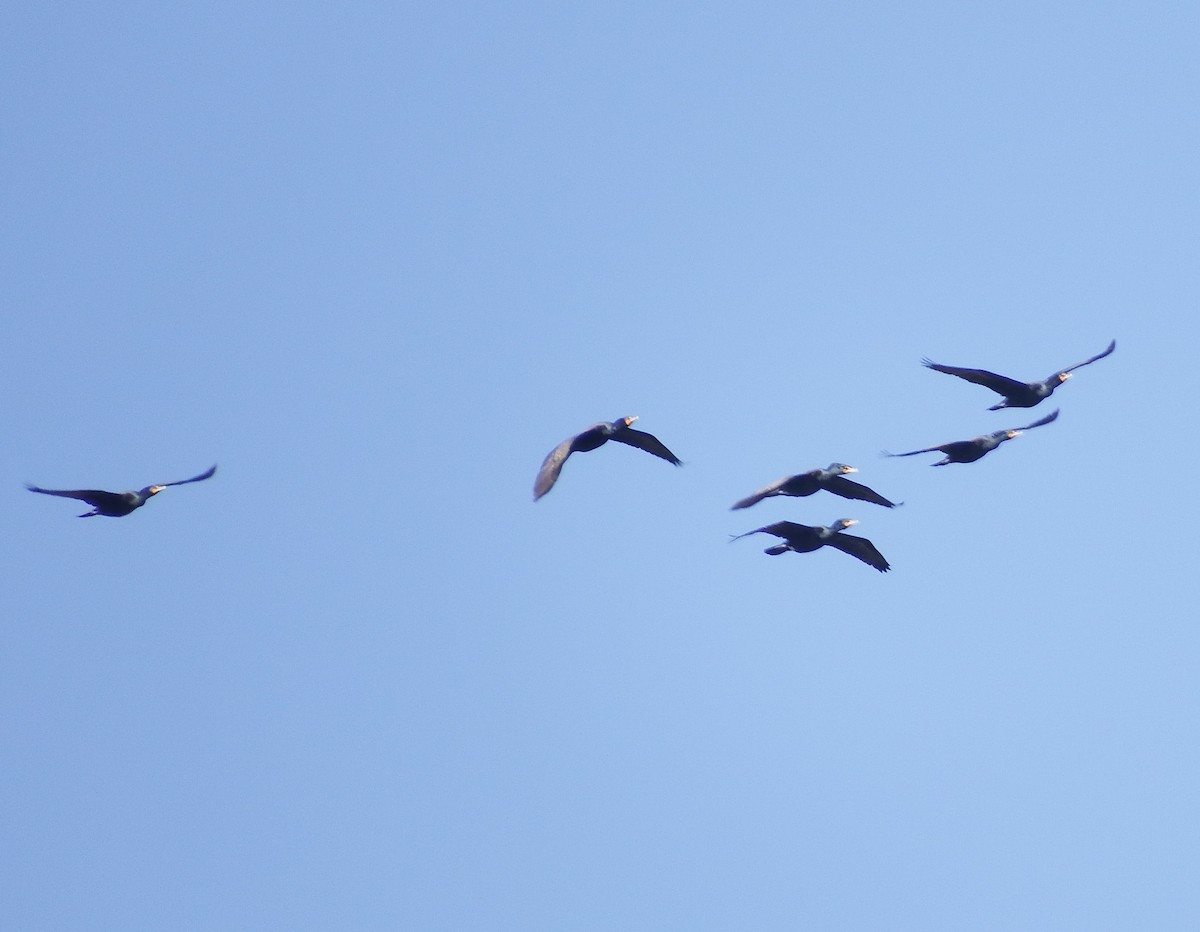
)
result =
(155, 489)
(1063, 376)
(1014, 433)
(846, 469)
(848, 522)
(630, 420)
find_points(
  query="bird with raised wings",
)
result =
(968, 451)
(1017, 394)
(831, 479)
(801, 538)
(117, 504)
(595, 436)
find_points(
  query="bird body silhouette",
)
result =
(1017, 394)
(117, 504)
(595, 436)
(832, 479)
(968, 451)
(801, 538)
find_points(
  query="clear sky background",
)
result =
(376, 260)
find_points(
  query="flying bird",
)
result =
(1017, 394)
(117, 504)
(968, 451)
(800, 538)
(832, 479)
(595, 436)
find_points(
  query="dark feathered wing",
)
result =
(207, 474)
(647, 442)
(997, 383)
(789, 530)
(847, 488)
(1087, 362)
(758, 496)
(786, 529)
(941, 449)
(551, 467)
(97, 498)
(1053, 415)
(860, 548)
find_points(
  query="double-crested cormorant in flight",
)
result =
(968, 451)
(595, 436)
(1017, 394)
(117, 504)
(831, 479)
(800, 538)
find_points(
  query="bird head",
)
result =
(1062, 377)
(628, 420)
(843, 523)
(152, 490)
(841, 468)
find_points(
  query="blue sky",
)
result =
(376, 260)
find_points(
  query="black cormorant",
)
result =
(117, 504)
(1016, 394)
(595, 436)
(968, 451)
(831, 479)
(800, 538)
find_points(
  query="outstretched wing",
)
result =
(647, 442)
(848, 488)
(1087, 362)
(762, 493)
(941, 449)
(551, 467)
(784, 529)
(207, 474)
(997, 383)
(97, 498)
(861, 548)
(1053, 415)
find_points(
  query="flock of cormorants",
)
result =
(801, 538)
(798, 538)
